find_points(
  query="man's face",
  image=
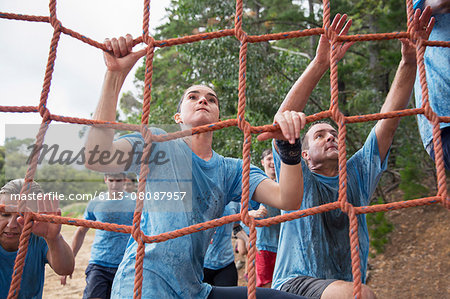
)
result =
(200, 106)
(269, 167)
(10, 229)
(322, 144)
(130, 186)
(115, 184)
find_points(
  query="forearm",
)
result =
(291, 186)
(60, 256)
(397, 99)
(78, 239)
(300, 92)
(100, 140)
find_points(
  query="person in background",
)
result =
(267, 236)
(114, 206)
(130, 185)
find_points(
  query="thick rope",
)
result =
(239, 121)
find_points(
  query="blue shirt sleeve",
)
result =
(256, 177)
(418, 4)
(366, 168)
(137, 142)
(89, 212)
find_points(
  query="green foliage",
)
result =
(379, 227)
(412, 161)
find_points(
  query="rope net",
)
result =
(333, 112)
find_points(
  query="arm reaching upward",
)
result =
(301, 90)
(400, 92)
(119, 62)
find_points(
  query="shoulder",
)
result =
(137, 136)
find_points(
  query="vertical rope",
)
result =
(19, 263)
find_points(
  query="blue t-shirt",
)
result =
(437, 67)
(174, 269)
(220, 250)
(33, 271)
(267, 236)
(319, 245)
(108, 247)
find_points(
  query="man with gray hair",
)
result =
(46, 244)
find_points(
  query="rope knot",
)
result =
(148, 40)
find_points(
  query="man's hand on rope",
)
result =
(423, 24)
(120, 57)
(259, 213)
(47, 230)
(341, 26)
(291, 123)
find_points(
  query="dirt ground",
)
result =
(416, 262)
(75, 286)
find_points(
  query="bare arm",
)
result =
(60, 256)
(77, 242)
(78, 239)
(400, 92)
(100, 140)
(300, 92)
(288, 193)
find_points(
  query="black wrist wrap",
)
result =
(290, 154)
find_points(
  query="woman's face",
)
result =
(200, 106)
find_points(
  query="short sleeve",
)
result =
(137, 143)
(44, 250)
(368, 166)
(256, 177)
(89, 212)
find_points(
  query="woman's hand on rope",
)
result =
(423, 24)
(290, 122)
(340, 26)
(120, 56)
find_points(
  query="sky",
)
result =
(79, 67)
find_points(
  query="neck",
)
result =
(201, 144)
(326, 169)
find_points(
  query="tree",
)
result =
(365, 72)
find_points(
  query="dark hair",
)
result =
(115, 174)
(184, 93)
(266, 152)
(305, 143)
(131, 177)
